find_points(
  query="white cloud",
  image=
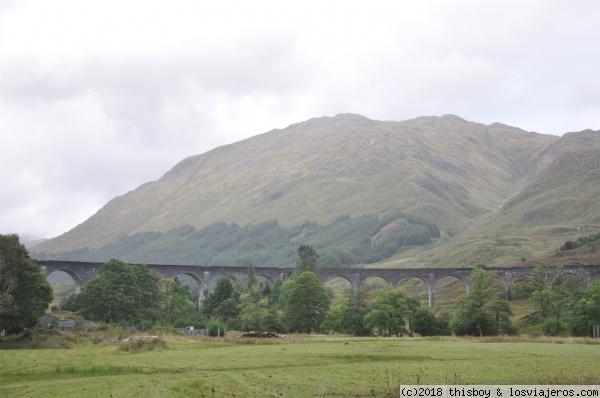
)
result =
(98, 97)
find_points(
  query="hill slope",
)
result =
(496, 192)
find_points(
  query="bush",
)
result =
(551, 328)
(581, 241)
(215, 327)
(37, 338)
(568, 245)
(427, 324)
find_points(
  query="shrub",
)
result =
(215, 327)
(551, 328)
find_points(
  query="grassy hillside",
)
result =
(560, 202)
(495, 192)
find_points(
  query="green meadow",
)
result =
(297, 366)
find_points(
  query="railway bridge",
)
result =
(83, 272)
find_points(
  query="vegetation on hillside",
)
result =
(346, 241)
(591, 241)
(499, 194)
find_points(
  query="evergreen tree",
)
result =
(307, 259)
(223, 290)
(228, 311)
(252, 279)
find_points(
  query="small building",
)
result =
(49, 321)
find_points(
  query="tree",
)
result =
(502, 313)
(306, 303)
(69, 303)
(475, 312)
(254, 308)
(149, 294)
(275, 294)
(551, 298)
(228, 311)
(389, 312)
(256, 312)
(307, 259)
(541, 295)
(178, 306)
(333, 321)
(24, 291)
(273, 321)
(252, 279)
(222, 292)
(414, 304)
(122, 293)
(587, 311)
(426, 323)
(353, 317)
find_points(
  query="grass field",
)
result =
(327, 366)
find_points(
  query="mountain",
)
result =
(496, 193)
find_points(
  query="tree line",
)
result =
(346, 241)
(132, 294)
(301, 304)
(581, 241)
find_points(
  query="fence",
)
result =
(194, 332)
(202, 332)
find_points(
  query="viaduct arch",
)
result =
(83, 272)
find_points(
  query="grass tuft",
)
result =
(71, 371)
(140, 344)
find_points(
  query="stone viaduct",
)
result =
(83, 272)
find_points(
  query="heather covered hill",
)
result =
(496, 193)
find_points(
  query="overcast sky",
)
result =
(99, 97)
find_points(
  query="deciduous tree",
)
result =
(306, 303)
(353, 317)
(254, 308)
(122, 293)
(552, 299)
(587, 311)
(388, 313)
(426, 323)
(478, 311)
(178, 306)
(24, 291)
(333, 321)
